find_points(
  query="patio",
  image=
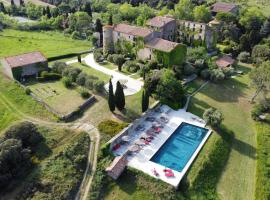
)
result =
(140, 158)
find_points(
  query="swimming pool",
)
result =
(180, 146)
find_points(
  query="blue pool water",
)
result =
(180, 146)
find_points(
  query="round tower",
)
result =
(108, 44)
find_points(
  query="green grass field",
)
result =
(50, 43)
(232, 98)
(55, 94)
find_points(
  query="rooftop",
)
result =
(25, 59)
(223, 7)
(159, 21)
(161, 44)
(132, 30)
(225, 61)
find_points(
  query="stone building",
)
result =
(24, 65)
(225, 8)
(196, 34)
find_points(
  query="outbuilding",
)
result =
(25, 65)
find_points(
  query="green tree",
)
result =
(48, 12)
(12, 3)
(79, 21)
(98, 26)
(184, 10)
(252, 18)
(202, 14)
(145, 101)
(260, 77)
(111, 97)
(213, 117)
(119, 96)
(88, 9)
(169, 90)
(265, 30)
(21, 3)
(119, 60)
(110, 20)
(2, 8)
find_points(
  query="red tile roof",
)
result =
(25, 59)
(161, 44)
(223, 7)
(132, 30)
(159, 21)
(225, 61)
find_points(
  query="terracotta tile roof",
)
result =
(132, 30)
(161, 44)
(25, 59)
(159, 21)
(223, 7)
(225, 61)
(117, 166)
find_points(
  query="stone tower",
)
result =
(108, 44)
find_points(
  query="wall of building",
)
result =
(145, 54)
(6, 68)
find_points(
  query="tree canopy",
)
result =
(202, 14)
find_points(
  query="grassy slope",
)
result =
(50, 43)
(263, 163)
(231, 97)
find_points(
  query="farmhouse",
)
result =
(224, 7)
(24, 65)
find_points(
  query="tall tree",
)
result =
(2, 8)
(44, 11)
(21, 3)
(88, 9)
(260, 77)
(12, 3)
(48, 12)
(183, 10)
(111, 97)
(145, 101)
(119, 96)
(110, 20)
(98, 26)
(202, 14)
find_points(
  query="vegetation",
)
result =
(145, 101)
(213, 117)
(111, 127)
(111, 98)
(119, 96)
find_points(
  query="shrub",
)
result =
(205, 74)
(131, 66)
(244, 57)
(119, 60)
(217, 75)
(199, 64)
(89, 83)
(84, 94)
(58, 67)
(189, 69)
(76, 35)
(213, 117)
(110, 58)
(228, 71)
(80, 80)
(50, 76)
(98, 86)
(67, 82)
(111, 127)
(98, 55)
(257, 110)
(28, 91)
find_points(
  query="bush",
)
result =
(119, 60)
(244, 57)
(257, 110)
(98, 55)
(76, 35)
(80, 80)
(89, 83)
(213, 117)
(98, 86)
(50, 76)
(131, 66)
(67, 82)
(84, 94)
(28, 91)
(189, 69)
(58, 67)
(217, 75)
(110, 127)
(228, 71)
(205, 74)
(110, 58)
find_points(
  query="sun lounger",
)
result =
(167, 170)
(115, 147)
(169, 174)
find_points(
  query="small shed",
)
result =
(117, 166)
(28, 64)
(225, 61)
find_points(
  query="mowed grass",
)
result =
(56, 95)
(232, 98)
(50, 43)
(15, 104)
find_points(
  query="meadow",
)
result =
(50, 43)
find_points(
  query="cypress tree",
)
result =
(21, 3)
(265, 30)
(79, 59)
(146, 96)
(2, 8)
(145, 101)
(44, 11)
(110, 20)
(12, 3)
(98, 27)
(111, 97)
(119, 96)
(48, 12)
(88, 9)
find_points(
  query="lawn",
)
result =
(50, 43)
(55, 94)
(232, 98)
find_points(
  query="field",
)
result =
(50, 43)
(55, 94)
(231, 97)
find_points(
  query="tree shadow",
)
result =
(127, 182)
(197, 106)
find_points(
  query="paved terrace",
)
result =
(141, 160)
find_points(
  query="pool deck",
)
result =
(141, 160)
